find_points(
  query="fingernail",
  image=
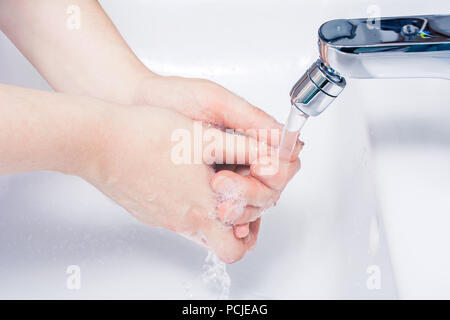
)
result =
(241, 231)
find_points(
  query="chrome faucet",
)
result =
(395, 47)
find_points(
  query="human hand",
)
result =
(245, 190)
(130, 82)
(136, 168)
(128, 153)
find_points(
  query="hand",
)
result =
(253, 190)
(129, 82)
(126, 152)
(136, 168)
(207, 101)
(67, 69)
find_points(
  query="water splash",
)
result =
(213, 283)
(215, 276)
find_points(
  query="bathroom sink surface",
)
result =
(371, 200)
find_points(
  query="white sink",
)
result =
(410, 137)
(372, 170)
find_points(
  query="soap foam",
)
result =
(235, 194)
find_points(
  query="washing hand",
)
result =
(139, 169)
(246, 191)
(132, 154)
(162, 184)
(101, 65)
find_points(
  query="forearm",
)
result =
(48, 131)
(93, 60)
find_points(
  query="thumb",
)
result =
(241, 115)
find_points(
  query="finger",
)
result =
(253, 234)
(286, 148)
(222, 147)
(249, 214)
(241, 115)
(275, 175)
(242, 230)
(270, 136)
(221, 239)
(232, 186)
(231, 212)
(297, 149)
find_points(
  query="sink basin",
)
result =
(412, 163)
(366, 217)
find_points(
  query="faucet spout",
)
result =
(395, 47)
(316, 89)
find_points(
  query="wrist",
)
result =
(86, 139)
(47, 131)
(131, 88)
(147, 86)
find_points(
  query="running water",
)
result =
(213, 283)
(216, 277)
(294, 124)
